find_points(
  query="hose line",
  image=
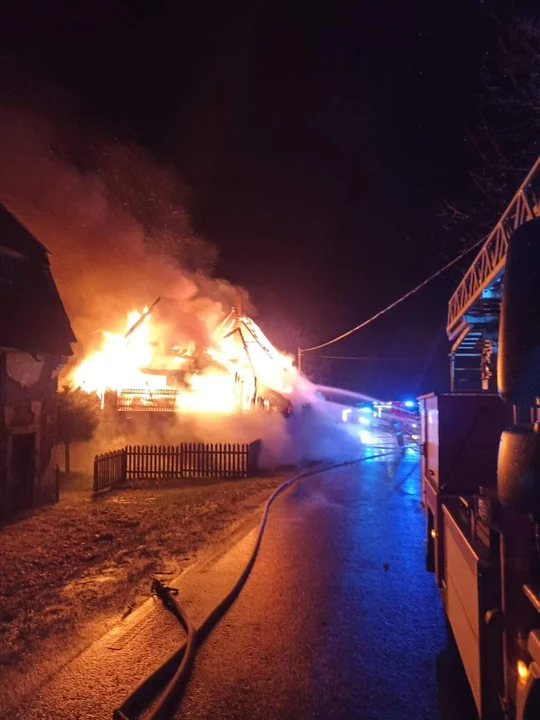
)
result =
(173, 673)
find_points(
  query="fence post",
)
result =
(124, 464)
(95, 483)
(254, 453)
(57, 482)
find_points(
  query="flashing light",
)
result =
(345, 414)
(365, 409)
(522, 671)
(365, 437)
(364, 420)
(409, 403)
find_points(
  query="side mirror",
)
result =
(518, 469)
(518, 367)
(518, 370)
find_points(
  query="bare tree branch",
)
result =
(504, 135)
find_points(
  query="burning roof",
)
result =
(236, 368)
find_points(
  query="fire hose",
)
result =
(174, 672)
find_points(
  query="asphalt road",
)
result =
(339, 619)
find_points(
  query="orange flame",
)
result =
(240, 358)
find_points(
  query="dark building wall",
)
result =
(27, 430)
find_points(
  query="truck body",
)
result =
(481, 497)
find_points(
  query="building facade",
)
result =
(35, 340)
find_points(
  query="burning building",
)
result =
(155, 366)
(120, 236)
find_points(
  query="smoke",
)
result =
(115, 222)
(306, 436)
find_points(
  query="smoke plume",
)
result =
(114, 220)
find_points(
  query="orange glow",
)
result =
(239, 361)
(117, 365)
(209, 393)
(523, 671)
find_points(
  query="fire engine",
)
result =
(481, 468)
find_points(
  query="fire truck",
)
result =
(481, 468)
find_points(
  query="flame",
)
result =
(240, 359)
(209, 393)
(118, 364)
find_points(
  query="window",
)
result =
(11, 269)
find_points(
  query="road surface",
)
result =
(338, 619)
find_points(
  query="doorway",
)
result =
(22, 470)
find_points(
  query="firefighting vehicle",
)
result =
(481, 467)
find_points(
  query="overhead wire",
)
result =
(372, 358)
(396, 302)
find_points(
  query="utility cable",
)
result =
(372, 358)
(398, 301)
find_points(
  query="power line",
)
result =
(396, 302)
(372, 358)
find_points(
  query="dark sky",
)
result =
(319, 146)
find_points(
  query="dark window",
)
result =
(11, 269)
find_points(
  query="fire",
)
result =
(117, 365)
(234, 373)
(209, 393)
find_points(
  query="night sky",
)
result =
(319, 146)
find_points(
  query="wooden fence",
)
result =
(109, 469)
(188, 460)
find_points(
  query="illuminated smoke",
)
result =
(116, 225)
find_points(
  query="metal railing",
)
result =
(490, 261)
